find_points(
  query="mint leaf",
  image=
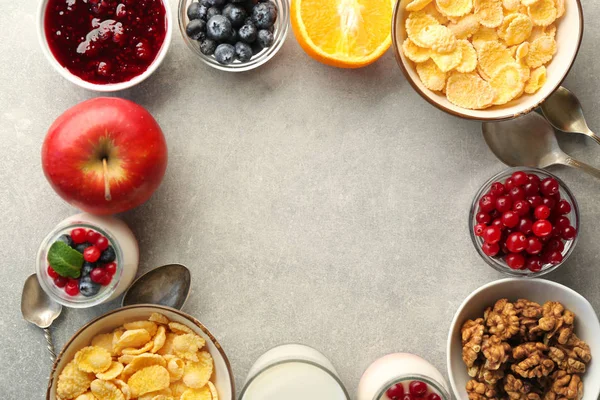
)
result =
(64, 260)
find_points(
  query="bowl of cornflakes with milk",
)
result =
(486, 60)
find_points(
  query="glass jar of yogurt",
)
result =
(399, 377)
(121, 260)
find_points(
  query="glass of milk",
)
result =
(293, 372)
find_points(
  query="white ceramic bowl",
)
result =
(569, 34)
(223, 375)
(111, 87)
(587, 326)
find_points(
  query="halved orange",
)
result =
(343, 33)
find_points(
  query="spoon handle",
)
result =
(593, 136)
(571, 162)
(49, 344)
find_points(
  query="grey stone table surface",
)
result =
(312, 204)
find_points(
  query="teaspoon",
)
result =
(168, 285)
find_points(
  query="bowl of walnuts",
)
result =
(524, 339)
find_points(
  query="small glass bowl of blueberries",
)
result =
(234, 35)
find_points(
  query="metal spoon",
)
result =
(529, 141)
(39, 309)
(168, 285)
(563, 110)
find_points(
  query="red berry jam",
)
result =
(105, 41)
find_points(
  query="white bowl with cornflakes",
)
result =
(222, 375)
(586, 324)
(567, 36)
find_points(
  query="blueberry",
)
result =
(107, 255)
(219, 28)
(82, 246)
(212, 12)
(233, 37)
(87, 268)
(193, 11)
(225, 54)
(201, 13)
(248, 33)
(204, 3)
(196, 29)
(264, 15)
(66, 239)
(235, 14)
(207, 47)
(243, 51)
(238, 1)
(218, 3)
(248, 21)
(87, 287)
(265, 38)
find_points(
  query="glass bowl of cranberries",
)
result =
(234, 35)
(524, 222)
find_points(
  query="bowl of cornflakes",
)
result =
(142, 352)
(486, 60)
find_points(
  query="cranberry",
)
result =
(516, 242)
(517, 193)
(497, 189)
(533, 178)
(487, 203)
(519, 178)
(531, 189)
(542, 212)
(510, 219)
(102, 243)
(97, 274)
(395, 392)
(542, 228)
(483, 218)
(509, 184)
(549, 202)
(555, 244)
(91, 236)
(478, 229)
(534, 201)
(549, 186)
(490, 250)
(534, 246)
(408, 396)
(525, 226)
(498, 223)
(52, 273)
(72, 287)
(492, 234)
(91, 254)
(515, 261)
(417, 388)
(111, 268)
(503, 203)
(434, 396)
(563, 207)
(521, 207)
(562, 222)
(569, 233)
(105, 280)
(78, 235)
(554, 257)
(534, 264)
(60, 281)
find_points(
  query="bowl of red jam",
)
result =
(105, 45)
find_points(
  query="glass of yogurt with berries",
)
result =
(87, 260)
(402, 376)
(524, 222)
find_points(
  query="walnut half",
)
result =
(481, 391)
(536, 365)
(502, 320)
(472, 335)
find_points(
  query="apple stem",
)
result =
(107, 195)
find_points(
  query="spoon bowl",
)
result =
(168, 285)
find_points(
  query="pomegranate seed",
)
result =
(525, 226)
(510, 219)
(52, 273)
(562, 222)
(497, 189)
(515, 261)
(521, 207)
(542, 228)
(434, 396)
(555, 244)
(72, 287)
(91, 236)
(554, 257)
(395, 391)
(478, 229)
(519, 178)
(516, 242)
(417, 388)
(487, 203)
(509, 184)
(563, 207)
(483, 218)
(490, 250)
(535, 201)
(533, 178)
(549, 202)
(97, 274)
(549, 186)
(503, 203)
(111, 268)
(542, 212)
(569, 233)
(102, 243)
(78, 235)
(91, 254)
(531, 189)
(517, 193)
(534, 264)
(534, 246)
(492, 234)
(60, 281)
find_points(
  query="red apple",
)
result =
(105, 155)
